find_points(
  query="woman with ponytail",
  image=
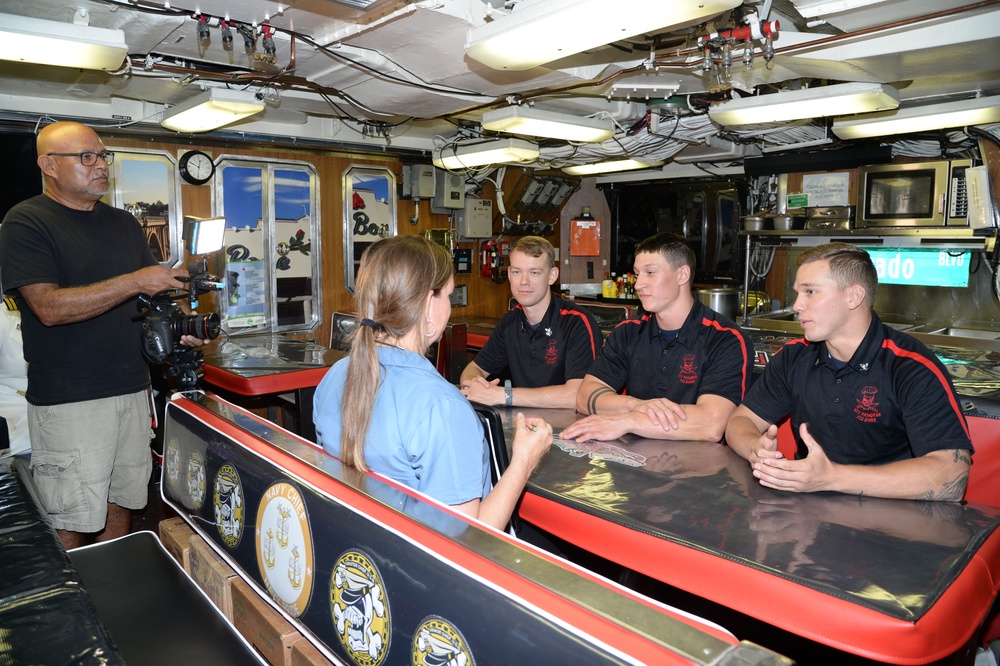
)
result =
(386, 409)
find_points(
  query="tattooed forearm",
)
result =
(954, 490)
(592, 400)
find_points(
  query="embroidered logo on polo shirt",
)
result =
(689, 371)
(867, 409)
(552, 352)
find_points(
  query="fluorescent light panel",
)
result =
(978, 111)
(540, 31)
(498, 151)
(61, 44)
(536, 122)
(211, 109)
(605, 167)
(839, 99)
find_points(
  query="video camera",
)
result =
(164, 322)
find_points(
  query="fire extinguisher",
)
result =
(487, 258)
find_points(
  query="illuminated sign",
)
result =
(931, 268)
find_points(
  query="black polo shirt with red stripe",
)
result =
(709, 355)
(562, 347)
(892, 401)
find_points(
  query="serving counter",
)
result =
(372, 572)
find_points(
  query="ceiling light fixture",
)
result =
(459, 156)
(976, 111)
(536, 122)
(540, 31)
(826, 7)
(211, 109)
(605, 167)
(61, 44)
(838, 99)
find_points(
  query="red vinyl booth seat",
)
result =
(984, 477)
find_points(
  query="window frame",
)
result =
(268, 167)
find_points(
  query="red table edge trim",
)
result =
(757, 593)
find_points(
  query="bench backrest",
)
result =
(984, 477)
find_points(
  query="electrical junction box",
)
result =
(449, 191)
(418, 181)
(475, 220)
(463, 262)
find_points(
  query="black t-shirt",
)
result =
(892, 401)
(42, 241)
(562, 347)
(710, 354)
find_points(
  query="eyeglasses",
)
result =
(88, 158)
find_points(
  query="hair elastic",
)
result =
(370, 323)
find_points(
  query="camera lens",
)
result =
(203, 326)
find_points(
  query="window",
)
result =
(272, 275)
(369, 213)
(144, 183)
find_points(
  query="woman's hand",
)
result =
(532, 438)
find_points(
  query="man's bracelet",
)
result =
(508, 392)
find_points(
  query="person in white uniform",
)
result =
(13, 378)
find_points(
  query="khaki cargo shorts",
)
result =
(86, 454)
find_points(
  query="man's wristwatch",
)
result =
(508, 392)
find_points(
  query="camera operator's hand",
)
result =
(152, 279)
(191, 341)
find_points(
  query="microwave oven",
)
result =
(917, 194)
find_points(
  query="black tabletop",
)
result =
(894, 556)
(263, 354)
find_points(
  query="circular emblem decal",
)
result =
(437, 641)
(196, 480)
(360, 608)
(284, 547)
(172, 462)
(229, 508)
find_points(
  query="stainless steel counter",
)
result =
(972, 362)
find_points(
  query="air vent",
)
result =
(716, 150)
(358, 4)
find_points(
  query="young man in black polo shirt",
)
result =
(684, 367)
(873, 410)
(548, 343)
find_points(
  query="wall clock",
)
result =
(196, 167)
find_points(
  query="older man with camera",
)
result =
(76, 266)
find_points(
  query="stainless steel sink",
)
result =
(943, 335)
(778, 315)
(961, 332)
(786, 320)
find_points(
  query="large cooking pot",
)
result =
(724, 300)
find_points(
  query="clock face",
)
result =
(196, 167)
